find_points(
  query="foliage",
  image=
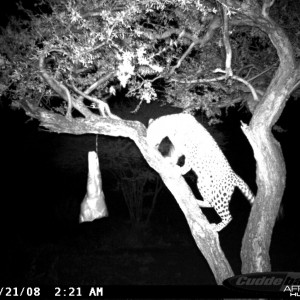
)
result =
(156, 50)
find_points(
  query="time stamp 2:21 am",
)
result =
(53, 291)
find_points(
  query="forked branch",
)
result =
(103, 107)
(58, 87)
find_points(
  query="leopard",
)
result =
(216, 180)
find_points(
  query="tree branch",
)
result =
(185, 54)
(96, 84)
(266, 8)
(251, 88)
(59, 88)
(102, 106)
(227, 42)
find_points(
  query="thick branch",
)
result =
(270, 170)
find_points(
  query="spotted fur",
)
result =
(216, 180)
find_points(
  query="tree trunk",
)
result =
(270, 171)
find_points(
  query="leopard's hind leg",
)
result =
(222, 197)
(218, 195)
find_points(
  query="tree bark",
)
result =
(270, 171)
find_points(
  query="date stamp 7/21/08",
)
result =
(51, 291)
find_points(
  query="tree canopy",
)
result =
(150, 50)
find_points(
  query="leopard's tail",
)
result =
(241, 184)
